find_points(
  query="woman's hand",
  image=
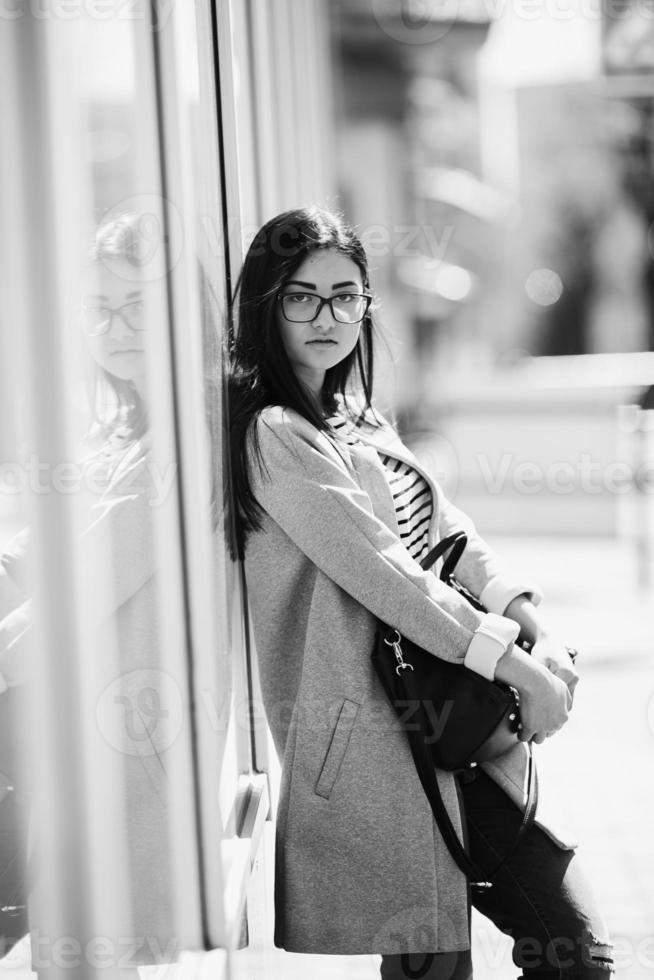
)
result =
(545, 703)
(546, 649)
(552, 654)
(545, 700)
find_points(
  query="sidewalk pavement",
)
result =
(601, 763)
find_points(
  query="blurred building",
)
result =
(498, 176)
(408, 144)
(499, 168)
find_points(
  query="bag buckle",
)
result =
(397, 649)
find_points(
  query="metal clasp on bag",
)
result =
(397, 649)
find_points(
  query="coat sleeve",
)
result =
(15, 611)
(116, 556)
(10, 595)
(14, 572)
(119, 542)
(16, 658)
(307, 489)
(116, 551)
(479, 568)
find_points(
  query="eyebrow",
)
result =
(312, 285)
(128, 296)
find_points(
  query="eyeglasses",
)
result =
(96, 320)
(305, 307)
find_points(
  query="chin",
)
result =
(123, 376)
(330, 357)
(126, 376)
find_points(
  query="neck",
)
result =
(139, 384)
(312, 384)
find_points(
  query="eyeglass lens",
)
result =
(303, 307)
(97, 319)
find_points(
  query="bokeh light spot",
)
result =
(544, 287)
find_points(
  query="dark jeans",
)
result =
(540, 898)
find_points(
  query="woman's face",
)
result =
(313, 347)
(115, 299)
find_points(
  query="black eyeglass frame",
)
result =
(326, 301)
(110, 310)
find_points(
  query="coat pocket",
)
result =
(337, 746)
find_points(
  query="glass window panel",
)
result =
(121, 175)
(119, 621)
(221, 674)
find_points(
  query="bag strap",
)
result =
(427, 774)
(455, 544)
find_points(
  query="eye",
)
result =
(299, 298)
(138, 306)
(347, 297)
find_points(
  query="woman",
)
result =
(120, 715)
(333, 514)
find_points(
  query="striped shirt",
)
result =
(411, 494)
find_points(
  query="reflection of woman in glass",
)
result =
(333, 514)
(118, 551)
(113, 319)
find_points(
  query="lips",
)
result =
(325, 342)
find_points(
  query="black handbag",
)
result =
(453, 717)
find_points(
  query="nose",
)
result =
(119, 327)
(324, 320)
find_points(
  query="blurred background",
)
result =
(497, 160)
(498, 165)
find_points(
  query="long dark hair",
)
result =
(260, 373)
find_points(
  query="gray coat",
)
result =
(126, 663)
(360, 864)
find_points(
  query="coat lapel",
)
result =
(385, 440)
